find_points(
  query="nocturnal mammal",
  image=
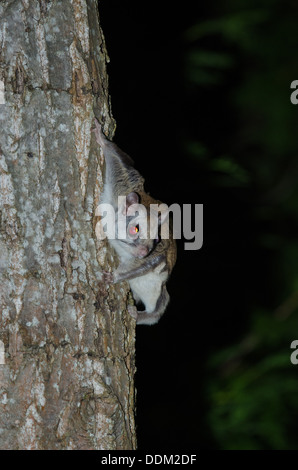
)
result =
(146, 258)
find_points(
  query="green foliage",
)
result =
(247, 49)
(254, 398)
(232, 26)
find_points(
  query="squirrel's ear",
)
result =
(131, 198)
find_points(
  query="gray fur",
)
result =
(145, 263)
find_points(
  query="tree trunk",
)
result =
(67, 381)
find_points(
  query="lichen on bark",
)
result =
(67, 381)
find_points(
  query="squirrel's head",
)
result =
(141, 226)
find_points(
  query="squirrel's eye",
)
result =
(134, 229)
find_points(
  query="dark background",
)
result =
(201, 96)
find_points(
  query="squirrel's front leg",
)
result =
(135, 271)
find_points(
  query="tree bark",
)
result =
(67, 381)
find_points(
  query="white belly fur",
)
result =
(148, 287)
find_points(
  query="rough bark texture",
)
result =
(67, 381)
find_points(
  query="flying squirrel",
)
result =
(146, 258)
